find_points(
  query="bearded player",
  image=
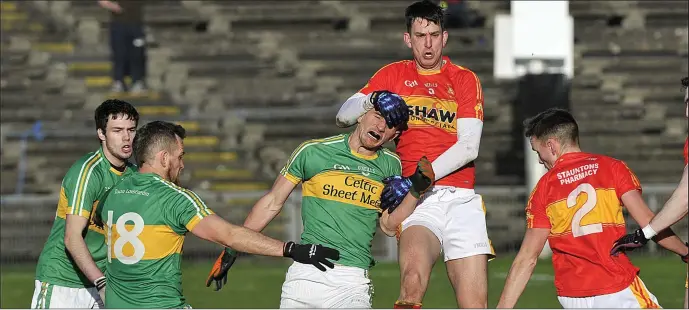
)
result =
(446, 120)
(147, 215)
(342, 187)
(674, 210)
(70, 268)
(577, 207)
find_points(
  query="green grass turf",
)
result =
(258, 285)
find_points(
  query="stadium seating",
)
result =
(250, 80)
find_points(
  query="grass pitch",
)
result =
(259, 285)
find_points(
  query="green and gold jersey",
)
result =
(341, 195)
(85, 182)
(145, 219)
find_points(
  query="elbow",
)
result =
(339, 122)
(68, 242)
(472, 152)
(387, 231)
(386, 228)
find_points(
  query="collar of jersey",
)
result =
(568, 156)
(445, 61)
(356, 154)
(106, 162)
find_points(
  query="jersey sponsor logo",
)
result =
(436, 113)
(131, 192)
(576, 174)
(346, 188)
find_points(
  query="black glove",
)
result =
(629, 242)
(220, 268)
(685, 258)
(396, 187)
(314, 254)
(393, 108)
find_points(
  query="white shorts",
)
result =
(341, 287)
(457, 217)
(46, 295)
(635, 296)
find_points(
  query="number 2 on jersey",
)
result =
(126, 236)
(589, 204)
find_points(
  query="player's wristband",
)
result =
(649, 232)
(99, 283)
(287, 249)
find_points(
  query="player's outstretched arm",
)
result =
(214, 228)
(675, 208)
(270, 205)
(642, 214)
(389, 222)
(403, 194)
(76, 246)
(523, 266)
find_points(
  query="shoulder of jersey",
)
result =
(458, 70)
(170, 190)
(390, 155)
(321, 142)
(397, 65)
(86, 162)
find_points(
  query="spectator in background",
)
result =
(127, 44)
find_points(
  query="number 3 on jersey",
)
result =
(589, 204)
(126, 236)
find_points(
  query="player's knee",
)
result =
(413, 285)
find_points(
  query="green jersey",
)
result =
(85, 182)
(145, 219)
(341, 195)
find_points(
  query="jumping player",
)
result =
(577, 207)
(446, 120)
(69, 273)
(674, 210)
(146, 216)
(342, 185)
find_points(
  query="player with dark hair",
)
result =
(577, 207)
(674, 210)
(147, 215)
(446, 121)
(69, 271)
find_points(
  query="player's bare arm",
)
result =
(404, 192)
(215, 229)
(390, 221)
(270, 205)
(674, 209)
(75, 244)
(642, 214)
(523, 266)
